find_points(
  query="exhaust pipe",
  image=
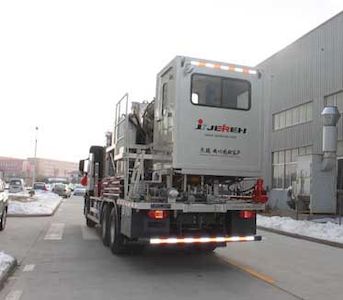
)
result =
(330, 116)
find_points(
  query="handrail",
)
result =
(117, 123)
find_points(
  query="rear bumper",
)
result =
(202, 240)
(14, 190)
(62, 193)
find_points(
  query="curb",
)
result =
(36, 215)
(8, 272)
(302, 237)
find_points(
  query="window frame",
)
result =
(284, 166)
(221, 91)
(296, 116)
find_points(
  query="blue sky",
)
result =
(64, 64)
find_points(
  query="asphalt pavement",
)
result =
(60, 258)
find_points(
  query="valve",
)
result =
(259, 194)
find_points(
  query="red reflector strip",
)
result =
(158, 241)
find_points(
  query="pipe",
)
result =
(330, 116)
(328, 161)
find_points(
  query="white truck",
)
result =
(183, 170)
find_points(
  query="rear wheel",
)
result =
(105, 228)
(116, 238)
(137, 249)
(3, 220)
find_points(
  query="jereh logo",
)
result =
(220, 128)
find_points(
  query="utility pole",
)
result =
(35, 157)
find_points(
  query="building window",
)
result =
(290, 167)
(278, 172)
(284, 166)
(293, 116)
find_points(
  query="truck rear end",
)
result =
(185, 168)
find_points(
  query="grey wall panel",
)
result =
(312, 65)
(292, 137)
(307, 70)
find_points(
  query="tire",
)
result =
(116, 238)
(90, 223)
(137, 249)
(3, 220)
(87, 205)
(105, 228)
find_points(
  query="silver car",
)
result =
(3, 205)
(17, 185)
(62, 190)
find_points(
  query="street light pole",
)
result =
(35, 157)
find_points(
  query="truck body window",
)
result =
(221, 92)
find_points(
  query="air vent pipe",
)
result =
(330, 116)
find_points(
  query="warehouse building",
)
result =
(23, 168)
(298, 82)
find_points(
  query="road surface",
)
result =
(60, 258)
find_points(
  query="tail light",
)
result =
(259, 193)
(247, 214)
(158, 214)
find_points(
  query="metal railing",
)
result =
(121, 125)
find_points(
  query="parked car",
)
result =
(17, 185)
(3, 205)
(62, 190)
(41, 186)
(79, 191)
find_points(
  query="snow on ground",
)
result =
(326, 231)
(21, 196)
(42, 203)
(5, 261)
